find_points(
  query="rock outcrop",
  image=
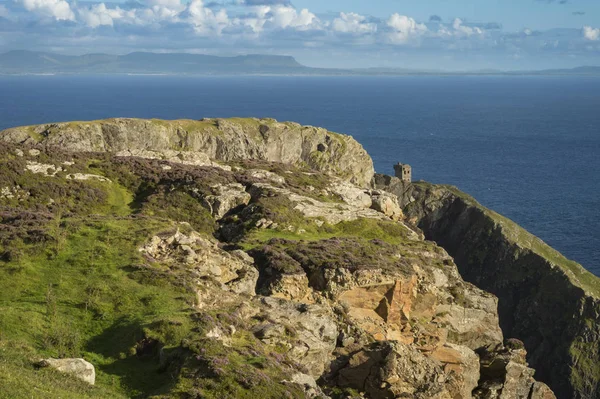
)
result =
(505, 374)
(548, 302)
(223, 140)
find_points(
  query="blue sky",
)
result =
(512, 14)
(414, 34)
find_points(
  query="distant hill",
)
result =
(27, 62)
(583, 70)
(30, 62)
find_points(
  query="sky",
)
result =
(413, 34)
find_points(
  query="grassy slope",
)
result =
(75, 288)
(77, 297)
(73, 284)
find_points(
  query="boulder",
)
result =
(76, 367)
(260, 174)
(387, 204)
(332, 212)
(351, 194)
(311, 388)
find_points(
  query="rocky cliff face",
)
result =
(545, 300)
(218, 274)
(208, 140)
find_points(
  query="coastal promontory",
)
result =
(245, 258)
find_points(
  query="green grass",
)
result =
(86, 302)
(368, 229)
(585, 373)
(33, 134)
(20, 379)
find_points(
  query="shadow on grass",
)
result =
(140, 376)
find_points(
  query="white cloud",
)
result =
(99, 15)
(590, 33)
(460, 30)
(465, 30)
(57, 9)
(278, 17)
(159, 11)
(353, 23)
(404, 29)
(288, 17)
(273, 26)
(205, 21)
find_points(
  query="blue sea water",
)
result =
(527, 147)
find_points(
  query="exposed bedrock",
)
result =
(545, 300)
(206, 140)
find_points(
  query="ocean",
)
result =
(526, 147)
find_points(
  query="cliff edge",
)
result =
(222, 140)
(229, 259)
(547, 301)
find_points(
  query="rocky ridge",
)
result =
(251, 277)
(208, 141)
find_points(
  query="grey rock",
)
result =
(234, 271)
(226, 198)
(308, 330)
(351, 194)
(387, 204)
(311, 389)
(219, 139)
(79, 368)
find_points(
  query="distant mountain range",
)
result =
(29, 62)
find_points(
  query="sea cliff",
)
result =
(232, 258)
(545, 300)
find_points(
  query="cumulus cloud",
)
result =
(353, 23)
(266, 26)
(57, 9)
(98, 15)
(460, 29)
(404, 29)
(288, 17)
(590, 33)
(159, 11)
(204, 20)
